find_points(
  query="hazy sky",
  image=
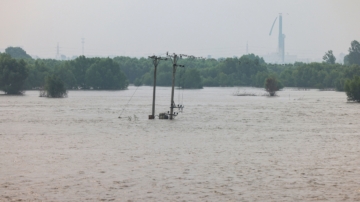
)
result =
(220, 28)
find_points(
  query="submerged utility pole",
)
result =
(174, 58)
(156, 61)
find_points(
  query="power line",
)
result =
(128, 101)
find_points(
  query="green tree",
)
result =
(286, 76)
(209, 81)
(79, 67)
(164, 74)
(272, 85)
(137, 82)
(54, 87)
(329, 57)
(134, 68)
(339, 84)
(65, 74)
(105, 74)
(260, 78)
(37, 74)
(12, 74)
(147, 79)
(191, 79)
(224, 80)
(247, 68)
(352, 89)
(17, 53)
(354, 54)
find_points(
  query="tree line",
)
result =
(19, 71)
(248, 70)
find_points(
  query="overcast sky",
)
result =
(220, 28)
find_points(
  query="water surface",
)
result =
(299, 146)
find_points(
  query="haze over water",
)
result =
(301, 145)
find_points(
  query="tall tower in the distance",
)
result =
(57, 57)
(247, 48)
(281, 43)
(281, 46)
(82, 41)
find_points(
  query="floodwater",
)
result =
(299, 146)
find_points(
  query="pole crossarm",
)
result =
(156, 60)
(174, 58)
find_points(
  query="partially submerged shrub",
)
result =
(54, 87)
(272, 85)
(352, 89)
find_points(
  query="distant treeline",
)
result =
(81, 73)
(248, 70)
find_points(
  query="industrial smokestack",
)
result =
(281, 45)
(281, 42)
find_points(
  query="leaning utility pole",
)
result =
(156, 61)
(174, 58)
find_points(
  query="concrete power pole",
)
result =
(156, 61)
(174, 58)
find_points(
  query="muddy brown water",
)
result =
(299, 146)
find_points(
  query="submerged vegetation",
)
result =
(352, 89)
(272, 85)
(54, 87)
(116, 73)
(12, 74)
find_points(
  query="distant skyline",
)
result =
(138, 28)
